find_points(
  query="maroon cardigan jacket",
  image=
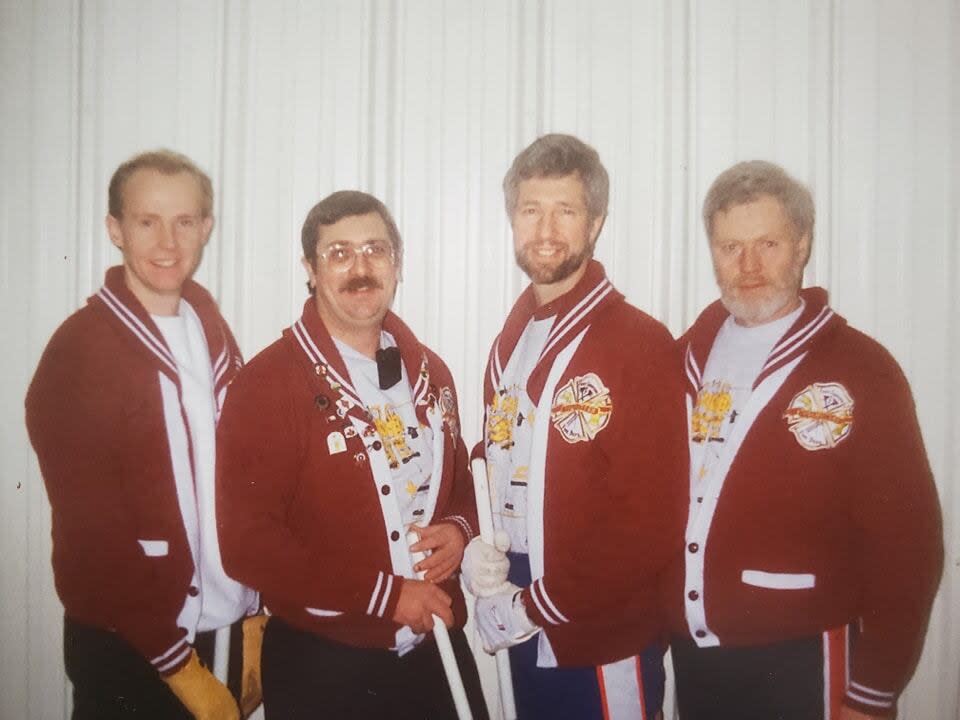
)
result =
(303, 525)
(861, 515)
(96, 420)
(613, 505)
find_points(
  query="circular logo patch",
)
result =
(820, 416)
(581, 408)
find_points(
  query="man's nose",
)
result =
(546, 227)
(168, 236)
(361, 263)
(749, 261)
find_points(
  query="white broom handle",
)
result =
(449, 660)
(481, 489)
(221, 653)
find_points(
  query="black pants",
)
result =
(112, 681)
(783, 681)
(309, 677)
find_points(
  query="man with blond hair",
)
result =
(813, 544)
(121, 412)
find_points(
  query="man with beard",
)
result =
(583, 441)
(813, 540)
(122, 413)
(335, 441)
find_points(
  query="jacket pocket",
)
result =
(154, 548)
(319, 612)
(778, 581)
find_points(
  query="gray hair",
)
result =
(557, 155)
(750, 180)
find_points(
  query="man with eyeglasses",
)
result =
(335, 441)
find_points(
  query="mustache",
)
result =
(362, 282)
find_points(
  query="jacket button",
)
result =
(394, 536)
(693, 547)
(699, 499)
(385, 490)
(377, 445)
(193, 591)
(701, 633)
(693, 595)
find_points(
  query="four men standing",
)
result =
(790, 593)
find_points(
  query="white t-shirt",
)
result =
(511, 419)
(223, 600)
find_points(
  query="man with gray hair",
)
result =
(813, 539)
(583, 441)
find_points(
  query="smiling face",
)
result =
(553, 233)
(354, 301)
(758, 260)
(161, 232)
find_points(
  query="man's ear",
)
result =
(805, 244)
(207, 228)
(311, 274)
(595, 227)
(113, 230)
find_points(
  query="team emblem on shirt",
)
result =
(394, 435)
(820, 416)
(581, 408)
(714, 402)
(501, 416)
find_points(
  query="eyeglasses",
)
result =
(340, 257)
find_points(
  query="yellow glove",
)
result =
(251, 691)
(201, 693)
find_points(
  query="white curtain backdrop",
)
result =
(424, 103)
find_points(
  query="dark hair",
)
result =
(747, 181)
(341, 204)
(559, 155)
(167, 162)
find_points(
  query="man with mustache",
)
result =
(335, 441)
(583, 441)
(813, 540)
(121, 412)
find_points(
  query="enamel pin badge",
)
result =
(336, 443)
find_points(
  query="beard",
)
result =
(765, 305)
(759, 311)
(541, 274)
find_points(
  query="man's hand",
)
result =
(201, 693)
(445, 542)
(501, 620)
(485, 567)
(251, 690)
(419, 602)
